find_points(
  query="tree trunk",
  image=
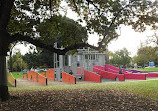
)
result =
(4, 95)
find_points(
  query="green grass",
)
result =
(145, 88)
(154, 69)
(17, 74)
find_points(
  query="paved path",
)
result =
(25, 83)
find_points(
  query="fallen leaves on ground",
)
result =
(77, 100)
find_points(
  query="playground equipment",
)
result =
(40, 78)
(83, 59)
(11, 80)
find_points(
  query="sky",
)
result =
(128, 38)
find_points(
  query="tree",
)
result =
(18, 63)
(10, 55)
(19, 19)
(144, 55)
(120, 57)
(65, 31)
(153, 39)
(39, 59)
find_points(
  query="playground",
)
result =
(84, 82)
(84, 67)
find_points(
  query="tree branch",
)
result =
(38, 43)
(111, 24)
(76, 8)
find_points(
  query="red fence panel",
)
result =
(91, 76)
(152, 75)
(50, 74)
(121, 77)
(68, 78)
(135, 76)
(35, 77)
(24, 76)
(108, 75)
(107, 67)
(99, 67)
(42, 79)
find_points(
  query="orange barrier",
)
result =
(68, 78)
(91, 76)
(43, 74)
(36, 77)
(32, 75)
(11, 79)
(42, 79)
(24, 76)
(50, 74)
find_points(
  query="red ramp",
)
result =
(68, 78)
(36, 77)
(91, 76)
(109, 75)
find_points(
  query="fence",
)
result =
(50, 74)
(152, 74)
(36, 77)
(42, 79)
(11, 79)
(99, 67)
(91, 76)
(135, 76)
(107, 67)
(109, 75)
(68, 78)
(24, 76)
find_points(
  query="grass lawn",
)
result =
(154, 69)
(144, 88)
(17, 74)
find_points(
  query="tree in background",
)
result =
(62, 30)
(19, 19)
(39, 59)
(18, 63)
(120, 57)
(153, 39)
(10, 63)
(144, 55)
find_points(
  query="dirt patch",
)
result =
(77, 100)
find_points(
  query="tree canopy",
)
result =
(62, 30)
(145, 55)
(120, 57)
(19, 19)
(40, 59)
(18, 63)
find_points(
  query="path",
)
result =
(25, 83)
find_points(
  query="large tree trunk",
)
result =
(4, 95)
